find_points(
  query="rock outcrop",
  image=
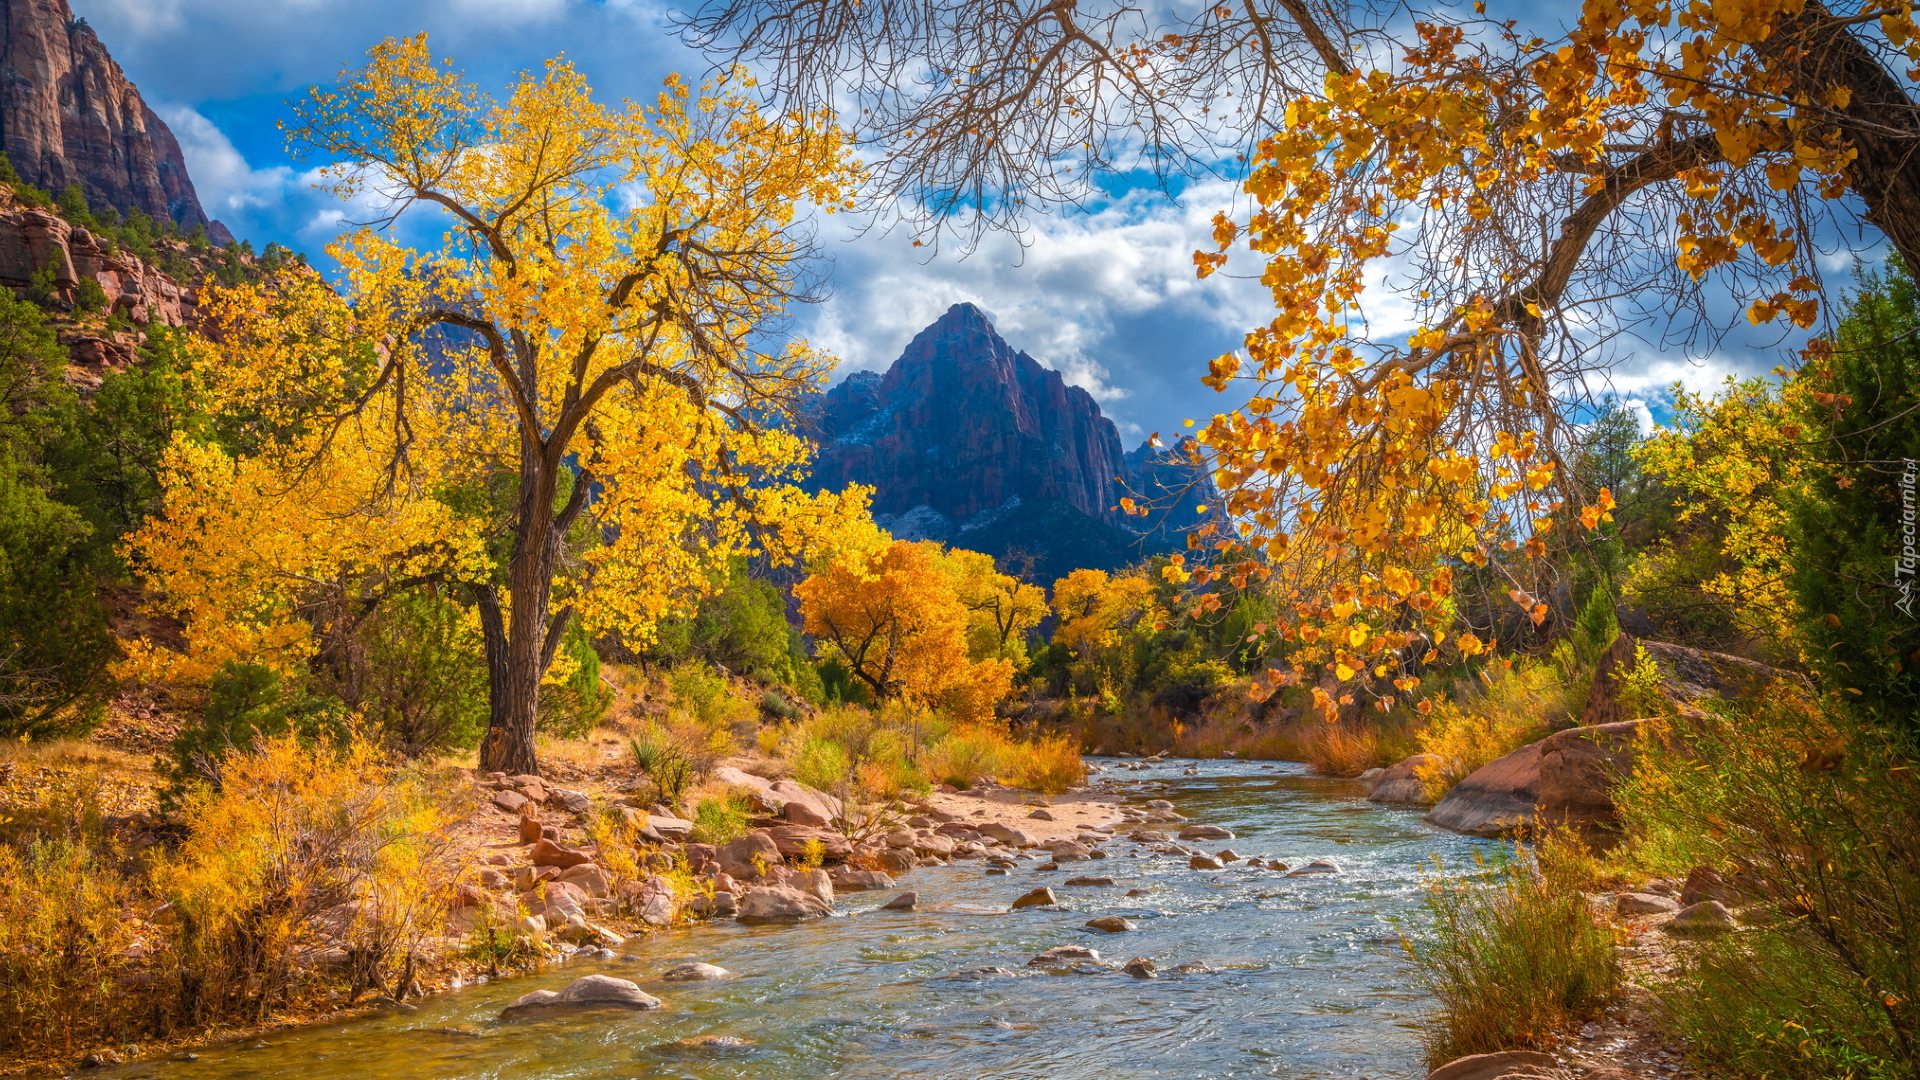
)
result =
(69, 115)
(967, 441)
(1497, 799)
(1686, 676)
(1400, 783)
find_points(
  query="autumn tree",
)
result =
(1539, 197)
(581, 379)
(1002, 610)
(893, 614)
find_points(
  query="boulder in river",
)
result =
(1111, 924)
(587, 992)
(1008, 835)
(1140, 968)
(695, 972)
(1149, 836)
(906, 901)
(1205, 832)
(706, 1044)
(1497, 799)
(1065, 954)
(1205, 862)
(1090, 881)
(748, 857)
(1316, 868)
(1040, 897)
(1398, 783)
(780, 904)
(848, 879)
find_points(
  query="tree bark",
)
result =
(515, 698)
(1881, 121)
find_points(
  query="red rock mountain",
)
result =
(68, 115)
(968, 441)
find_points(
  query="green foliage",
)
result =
(572, 708)
(1855, 527)
(43, 287)
(89, 297)
(72, 206)
(772, 704)
(54, 644)
(1814, 815)
(718, 821)
(1512, 958)
(425, 685)
(742, 627)
(247, 704)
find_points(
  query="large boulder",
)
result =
(748, 857)
(548, 853)
(803, 805)
(1580, 767)
(779, 904)
(1497, 799)
(1686, 677)
(1008, 835)
(588, 992)
(1398, 784)
(848, 879)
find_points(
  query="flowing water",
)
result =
(1301, 978)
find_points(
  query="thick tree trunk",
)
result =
(1880, 121)
(515, 697)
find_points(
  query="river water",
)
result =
(1302, 977)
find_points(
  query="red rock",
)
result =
(72, 117)
(548, 853)
(797, 840)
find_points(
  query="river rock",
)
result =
(587, 992)
(815, 882)
(1140, 968)
(904, 902)
(1090, 881)
(555, 901)
(1070, 851)
(1704, 919)
(985, 973)
(1495, 1066)
(706, 1044)
(1398, 783)
(780, 904)
(896, 860)
(510, 801)
(1205, 862)
(695, 972)
(1497, 799)
(1065, 954)
(1205, 832)
(1136, 892)
(548, 853)
(848, 879)
(1315, 868)
(1150, 836)
(1111, 924)
(805, 841)
(1008, 835)
(1040, 897)
(748, 857)
(1644, 904)
(1041, 815)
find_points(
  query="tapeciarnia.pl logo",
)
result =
(1905, 564)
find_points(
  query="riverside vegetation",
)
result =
(373, 569)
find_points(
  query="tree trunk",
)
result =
(514, 703)
(1880, 121)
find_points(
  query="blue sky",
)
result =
(1108, 296)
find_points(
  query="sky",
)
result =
(1108, 296)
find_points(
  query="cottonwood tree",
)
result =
(1537, 196)
(581, 372)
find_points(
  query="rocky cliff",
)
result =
(968, 441)
(68, 115)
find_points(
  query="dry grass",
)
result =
(1492, 717)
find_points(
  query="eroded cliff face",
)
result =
(68, 115)
(962, 423)
(967, 441)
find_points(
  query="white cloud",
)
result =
(225, 182)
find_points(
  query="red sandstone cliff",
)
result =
(68, 115)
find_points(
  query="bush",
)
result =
(63, 935)
(247, 704)
(1343, 749)
(1812, 814)
(54, 643)
(425, 686)
(1494, 717)
(717, 821)
(1512, 958)
(665, 761)
(574, 698)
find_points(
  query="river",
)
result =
(1301, 977)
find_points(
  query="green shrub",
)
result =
(665, 762)
(247, 704)
(1812, 813)
(577, 703)
(776, 706)
(717, 821)
(425, 686)
(1513, 958)
(54, 642)
(89, 296)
